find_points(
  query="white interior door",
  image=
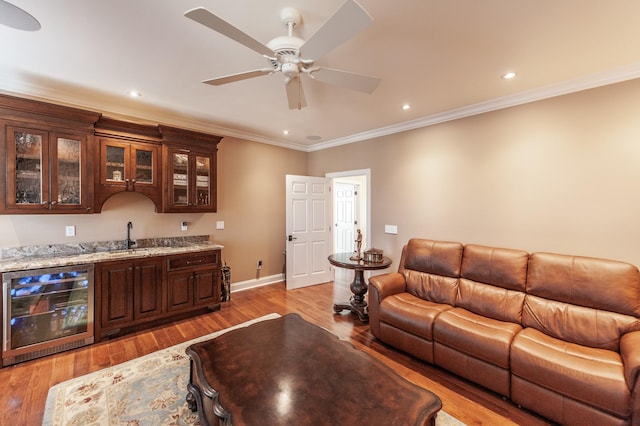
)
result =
(308, 227)
(345, 214)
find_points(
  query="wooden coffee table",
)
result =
(287, 371)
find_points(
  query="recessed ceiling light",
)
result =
(134, 94)
(314, 137)
(406, 107)
(509, 75)
(285, 132)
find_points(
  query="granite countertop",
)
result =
(36, 257)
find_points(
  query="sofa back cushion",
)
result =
(582, 300)
(493, 282)
(602, 284)
(432, 269)
(490, 301)
(577, 324)
(433, 257)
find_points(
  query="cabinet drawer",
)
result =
(193, 260)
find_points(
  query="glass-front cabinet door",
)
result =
(144, 165)
(190, 183)
(114, 161)
(27, 151)
(45, 171)
(67, 180)
(128, 164)
(180, 180)
(203, 181)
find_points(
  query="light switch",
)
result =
(391, 229)
(220, 224)
(183, 226)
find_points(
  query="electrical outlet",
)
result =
(259, 264)
(70, 231)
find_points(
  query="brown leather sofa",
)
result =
(557, 334)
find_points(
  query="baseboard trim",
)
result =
(259, 282)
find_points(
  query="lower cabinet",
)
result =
(134, 292)
(193, 281)
(129, 292)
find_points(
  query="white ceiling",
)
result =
(444, 57)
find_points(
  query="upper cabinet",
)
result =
(59, 159)
(190, 183)
(129, 160)
(46, 150)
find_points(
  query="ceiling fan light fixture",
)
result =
(290, 70)
(294, 56)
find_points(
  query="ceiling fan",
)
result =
(14, 17)
(293, 56)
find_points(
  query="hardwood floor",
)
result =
(24, 386)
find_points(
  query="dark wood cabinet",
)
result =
(140, 291)
(128, 160)
(46, 154)
(66, 160)
(190, 175)
(193, 281)
(130, 291)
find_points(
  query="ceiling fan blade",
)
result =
(218, 81)
(14, 17)
(295, 94)
(348, 21)
(209, 20)
(359, 82)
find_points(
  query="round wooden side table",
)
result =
(357, 305)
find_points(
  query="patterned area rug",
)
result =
(149, 390)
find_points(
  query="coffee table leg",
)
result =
(357, 304)
(191, 402)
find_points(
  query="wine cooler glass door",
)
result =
(47, 310)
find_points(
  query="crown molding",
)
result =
(20, 87)
(616, 75)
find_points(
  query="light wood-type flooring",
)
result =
(23, 387)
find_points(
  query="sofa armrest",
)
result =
(381, 286)
(630, 352)
(387, 284)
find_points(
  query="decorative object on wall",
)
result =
(294, 56)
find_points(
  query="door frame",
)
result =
(365, 192)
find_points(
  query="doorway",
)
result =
(351, 211)
(309, 209)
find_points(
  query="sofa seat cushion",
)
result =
(588, 375)
(483, 338)
(411, 314)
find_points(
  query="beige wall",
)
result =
(559, 175)
(251, 202)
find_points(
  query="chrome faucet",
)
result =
(129, 243)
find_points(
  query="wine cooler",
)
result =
(46, 311)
